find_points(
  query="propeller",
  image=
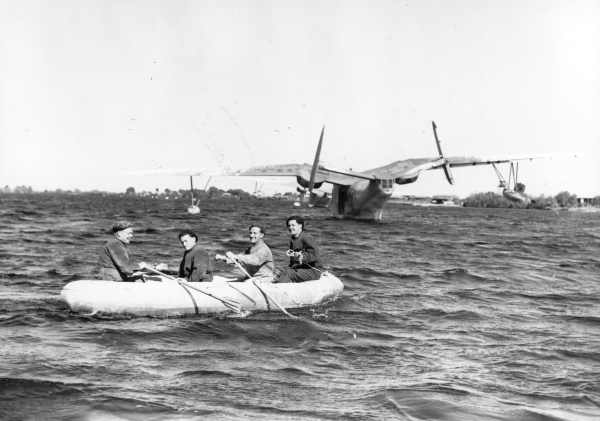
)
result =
(446, 166)
(315, 166)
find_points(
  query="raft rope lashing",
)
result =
(230, 304)
(191, 296)
(266, 295)
(245, 295)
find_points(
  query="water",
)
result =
(447, 314)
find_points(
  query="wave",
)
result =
(449, 315)
(203, 373)
(477, 320)
(587, 320)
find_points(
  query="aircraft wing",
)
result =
(469, 161)
(323, 175)
(408, 169)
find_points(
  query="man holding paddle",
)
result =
(257, 260)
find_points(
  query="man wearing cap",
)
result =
(115, 263)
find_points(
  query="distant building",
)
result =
(445, 201)
(588, 201)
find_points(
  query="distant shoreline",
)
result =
(562, 201)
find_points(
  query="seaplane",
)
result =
(363, 195)
(512, 189)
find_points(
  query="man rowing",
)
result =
(257, 260)
(197, 264)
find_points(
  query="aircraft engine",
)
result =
(306, 183)
(405, 180)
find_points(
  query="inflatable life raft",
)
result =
(169, 297)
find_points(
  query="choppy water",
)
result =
(448, 314)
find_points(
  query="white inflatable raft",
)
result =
(168, 297)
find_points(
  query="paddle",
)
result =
(231, 304)
(269, 296)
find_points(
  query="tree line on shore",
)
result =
(563, 199)
(211, 193)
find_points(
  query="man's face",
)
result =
(187, 241)
(294, 228)
(255, 234)
(125, 235)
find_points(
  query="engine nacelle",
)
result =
(306, 183)
(404, 180)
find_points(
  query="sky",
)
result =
(106, 95)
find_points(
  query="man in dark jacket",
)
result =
(196, 265)
(115, 261)
(305, 264)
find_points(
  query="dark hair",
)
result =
(296, 218)
(120, 226)
(262, 230)
(187, 232)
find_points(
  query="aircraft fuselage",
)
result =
(362, 200)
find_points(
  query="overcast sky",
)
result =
(90, 90)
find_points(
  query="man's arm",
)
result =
(259, 257)
(310, 252)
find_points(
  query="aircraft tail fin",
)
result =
(446, 166)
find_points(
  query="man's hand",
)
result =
(295, 254)
(228, 258)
